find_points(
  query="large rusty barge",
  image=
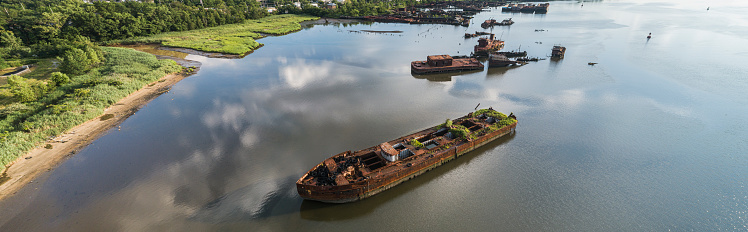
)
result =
(445, 63)
(352, 176)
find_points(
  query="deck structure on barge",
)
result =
(352, 176)
(444, 63)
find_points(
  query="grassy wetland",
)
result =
(236, 39)
(63, 102)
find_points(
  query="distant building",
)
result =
(331, 6)
(271, 9)
(263, 3)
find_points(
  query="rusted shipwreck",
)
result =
(527, 8)
(558, 52)
(352, 176)
(444, 63)
(493, 22)
(486, 45)
(499, 60)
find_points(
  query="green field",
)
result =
(237, 39)
(25, 125)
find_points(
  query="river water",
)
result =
(652, 138)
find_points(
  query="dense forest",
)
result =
(48, 28)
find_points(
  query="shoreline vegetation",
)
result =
(66, 102)
(235, 39)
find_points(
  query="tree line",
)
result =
(49, 28)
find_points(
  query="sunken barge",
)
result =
(445, 63)
(498, 60)
(492, 22)
(352, 176)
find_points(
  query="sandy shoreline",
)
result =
(41, 159)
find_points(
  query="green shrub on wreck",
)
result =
(460, 131)
(490, 113)
(416, 144)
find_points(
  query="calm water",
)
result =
(652, 138)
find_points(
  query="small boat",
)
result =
(591, 63)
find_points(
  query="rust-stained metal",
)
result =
(352, 176)
(486, 45)
(492, 22)
(444, 63)
(558, 52)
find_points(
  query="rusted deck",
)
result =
(466, 64)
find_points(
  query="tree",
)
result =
(60, 78)
(21, 89)
(75, 62)
(93, 54)
(47, 25)
(8, 39)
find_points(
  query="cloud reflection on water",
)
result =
(298, 74)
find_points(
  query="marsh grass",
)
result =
(237, 39)
(24, 126)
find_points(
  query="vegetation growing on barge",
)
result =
(62, 102)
